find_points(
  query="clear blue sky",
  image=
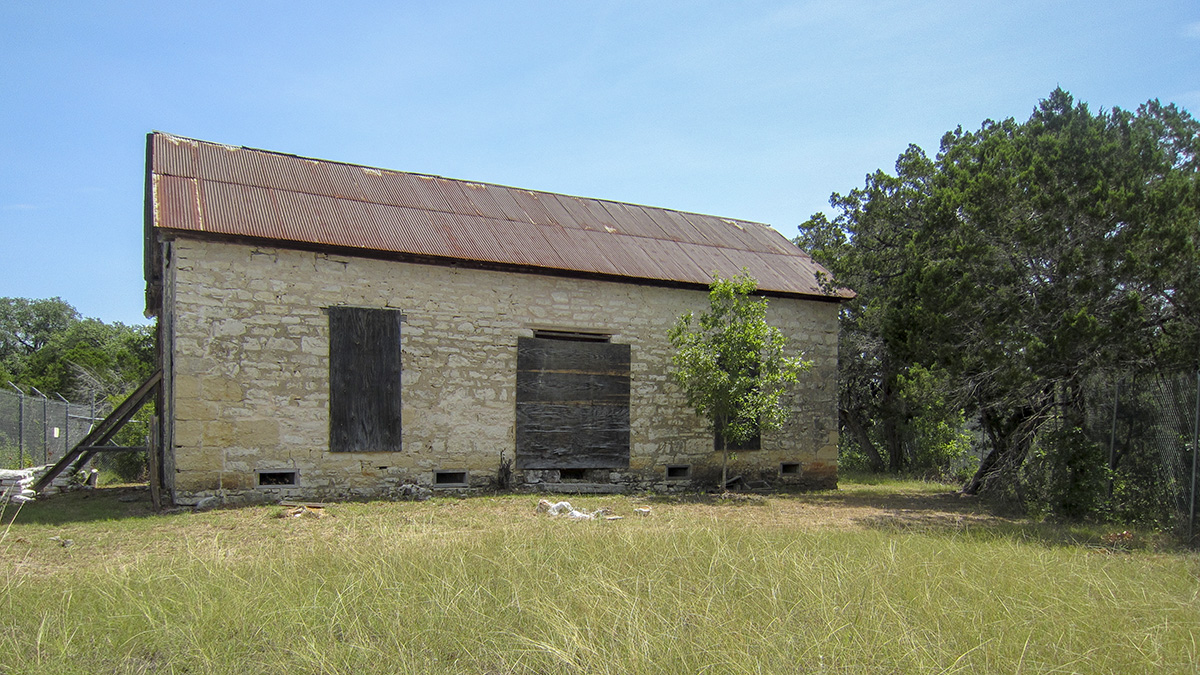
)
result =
(755, 109)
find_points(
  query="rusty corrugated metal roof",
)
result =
(203, 187)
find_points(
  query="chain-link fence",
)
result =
(1148, 424)
(37, 429)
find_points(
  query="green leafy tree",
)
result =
(1023, 258)
(45, 344)
(27, 325)
(92, 359)
(732, 365)
(868, 248)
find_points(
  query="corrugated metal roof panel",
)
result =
(481, 200)
(679, 228)
(273, 196)
(531, 203)
(468, 238)
(706, 260)
(342, 180)
(416, 231)
(419, 192)
(173, 156)
(424, 230)
(455, 198)
(668, 258)
(710, 233)
(524, 244)
(242, 168)
(577, 250)
(401, 190)
(588, 214)
(625, 253)
(388, 233)
(760, 265)
(504, 199)
(373, 186)
(312, 218)
(176, 202)
(273, 171)
(726, 233)
(312, 177)
(633, 220)
(767, 239)
(237, 209)
(558, 211)
(212, 162)
(364, 230)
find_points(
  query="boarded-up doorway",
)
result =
(572, 404)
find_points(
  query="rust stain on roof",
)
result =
(203, 187)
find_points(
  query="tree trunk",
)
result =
(724, 463)
(891, 408)
(856, 428)
(989, 464)
(1010, 443)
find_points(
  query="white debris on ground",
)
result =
(555, 509)
(642, 510)
(294, 510)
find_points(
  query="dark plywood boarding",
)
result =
(572, 404)
(364, 379)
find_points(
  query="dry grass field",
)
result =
(896, 577)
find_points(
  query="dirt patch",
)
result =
(853, 509)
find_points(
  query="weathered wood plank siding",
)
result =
(572, 404)
(364, 379)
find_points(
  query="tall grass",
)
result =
(488, 586)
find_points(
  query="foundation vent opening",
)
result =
(679, 471)
(277, 478)
(572, 474)
(789, 469)
(450, 479)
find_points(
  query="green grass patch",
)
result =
(861, 580)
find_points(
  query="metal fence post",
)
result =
(45, 436)
(1195, 455)
(66, 422)
(1112, 437)
(20, 424)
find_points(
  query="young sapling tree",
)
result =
(732, 365)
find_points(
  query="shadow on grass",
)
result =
(106, 503)
(709, 498)
(928, 510)
(955, 515)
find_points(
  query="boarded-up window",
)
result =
(752, 443)
(572, 404)
(364, 379)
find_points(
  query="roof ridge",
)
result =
(456, 180)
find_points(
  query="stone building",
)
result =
(332, 331)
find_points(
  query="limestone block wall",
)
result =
(248, 351)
